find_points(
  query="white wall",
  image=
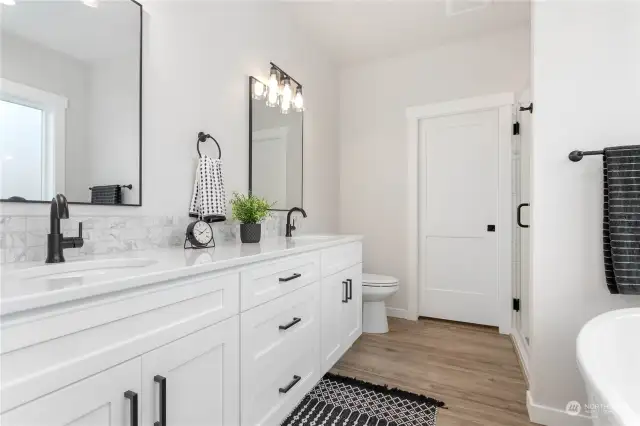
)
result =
(198, 56)
(373, 133)
(36, 66)
(586, 90)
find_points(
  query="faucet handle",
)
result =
(79, 229)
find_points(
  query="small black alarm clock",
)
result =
(199, 234)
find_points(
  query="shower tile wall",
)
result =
(23, 238)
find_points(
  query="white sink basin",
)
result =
(78, 269)
(608, 352)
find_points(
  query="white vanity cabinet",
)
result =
(237, 345)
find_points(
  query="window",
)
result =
(32, 142)
(22, 146)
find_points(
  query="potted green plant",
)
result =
(249, 210)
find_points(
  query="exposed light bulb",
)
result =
(8, 2)
(287, 95)
(258, 90)
(90, 3)
(273, 88)
(298, 100)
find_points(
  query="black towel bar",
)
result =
(122, 186)
(576, 156)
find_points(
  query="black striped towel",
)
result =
(621, 226)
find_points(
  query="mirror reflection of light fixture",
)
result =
(259, 90)
(287, 94)
(8, 2)
(273, 93)
(90, 3)
(298, 100)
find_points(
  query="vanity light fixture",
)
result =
(287, 94)
(298, 100)
(279, 91)
(273, 93)
(8, 2)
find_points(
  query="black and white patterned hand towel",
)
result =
(209, 201)
(621, 226)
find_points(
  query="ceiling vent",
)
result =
(458, 7)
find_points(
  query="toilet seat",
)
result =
(373, 280)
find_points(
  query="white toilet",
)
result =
(375, 290)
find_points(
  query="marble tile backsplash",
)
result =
(23, 238)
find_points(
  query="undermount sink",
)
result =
(314, 237)
(79, 269)
(608, 352)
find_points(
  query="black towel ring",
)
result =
(202, 137)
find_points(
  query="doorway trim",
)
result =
(504, 102)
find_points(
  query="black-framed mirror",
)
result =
(71, 102)
(276, 146)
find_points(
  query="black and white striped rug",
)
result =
(342, 401)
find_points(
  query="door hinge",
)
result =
(516, 305)
(516, 128)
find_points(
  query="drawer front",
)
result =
(268, 398)
(336, 259)
(275, 348)
(77, 344)
(274, 279)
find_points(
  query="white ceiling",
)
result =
(358, 31)
(110, 30)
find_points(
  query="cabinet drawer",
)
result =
(274, 279)
(274, 392)
(271, 356)
(336, 259)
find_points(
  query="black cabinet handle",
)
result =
(294, 382)
(519, 215)
(133, 412)
(162, 381)
(291, 324)
(345, 292)
(350, 295)
(292, 277)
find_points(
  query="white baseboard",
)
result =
(397, 313)
(549, 416)
(522, 353)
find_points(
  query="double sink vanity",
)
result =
(226, 336)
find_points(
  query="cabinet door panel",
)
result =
(352, 311)
(202, 378)
(333, 294)
(96, 401)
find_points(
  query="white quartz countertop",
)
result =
(33, 285)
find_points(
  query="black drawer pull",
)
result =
(345, 292)
(294, 382)
(291, 324)
(350, 295)
(292, 277)
(133, 412)
(162, 381)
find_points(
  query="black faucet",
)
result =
(56, 242)
(291, 227)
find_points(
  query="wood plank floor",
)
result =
(473, 369)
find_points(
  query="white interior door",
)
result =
(458, 214)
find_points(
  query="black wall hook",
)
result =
(202, 137)
(529, 108)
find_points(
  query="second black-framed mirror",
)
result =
(276, 142)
